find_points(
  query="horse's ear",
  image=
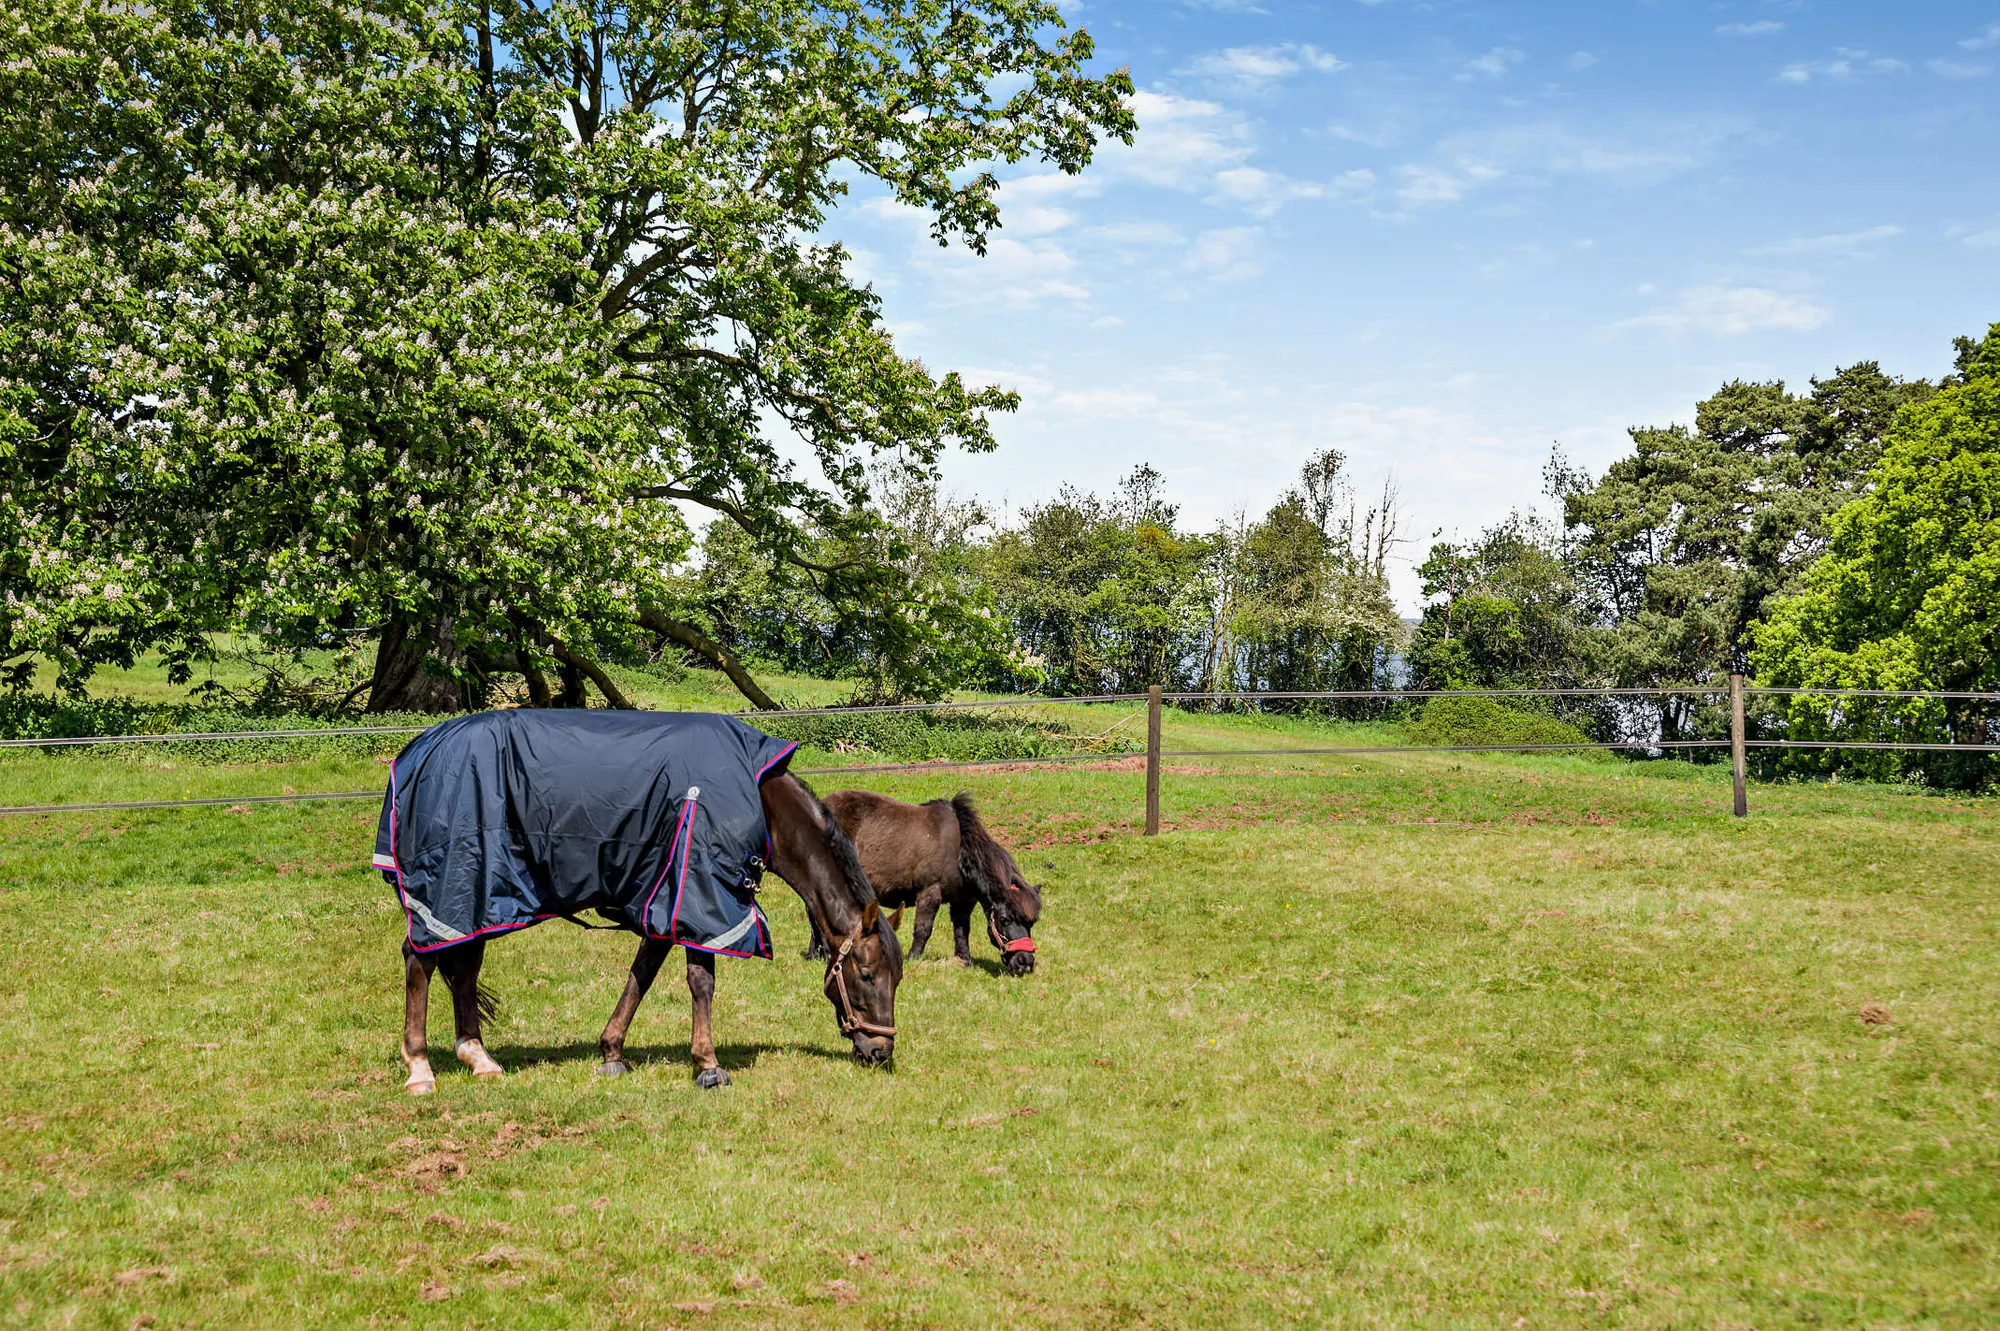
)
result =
(870, 916)
(896, 919)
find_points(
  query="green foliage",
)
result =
(39, 716)
(1303, 598)
(1460, 721)
(1504, 612)
(918, 625)
(955, 736)
(1683, 544)
(405, 321)
(1908, 593)
(1106, 596)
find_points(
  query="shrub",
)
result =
(955, 736)
(1454, 721)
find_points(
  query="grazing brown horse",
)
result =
(810, 851)
(928, 855)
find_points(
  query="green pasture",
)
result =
(1368, 1041)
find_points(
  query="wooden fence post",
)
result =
(1153, 760)
(1737, 774)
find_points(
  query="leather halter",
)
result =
(849, 1022)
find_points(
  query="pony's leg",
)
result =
(416, 1021)
(645, 966)
(816, 945)
(961, 931)
(701, 987)
(461, 971)
(928, 902)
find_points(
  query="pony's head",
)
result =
(1012, 925)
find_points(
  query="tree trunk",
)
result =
(573, 693)
(689, 636)
(403, 683)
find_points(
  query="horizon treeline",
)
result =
(1728, 544)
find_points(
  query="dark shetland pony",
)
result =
(928, 855)
(811, 853)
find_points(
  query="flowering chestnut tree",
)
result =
(428, 322)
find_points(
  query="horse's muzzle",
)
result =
(1018, 963)
(874, 1050)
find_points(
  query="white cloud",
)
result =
(1958, 69)
(1429, 184)
(1226, 254)
(1580, 60)
(1849, 242)
(1106, 403)
(1254, 68)
(1015, 274)
(1984, 41)
(1846, 64)
(1497, 61)
(1537, 150)
(1135, 234)
(1984, 240)
(1763, 27)
(1181, 144)
(1730, 311)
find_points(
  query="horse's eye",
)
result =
(867, 976)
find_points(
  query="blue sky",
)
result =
(1442, 236)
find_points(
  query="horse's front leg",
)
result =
(645, 966)
(416, 1021)
(928, 902)
(961, 931)
(701, 987)
(461, 965)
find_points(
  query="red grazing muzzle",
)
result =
(1020, 945)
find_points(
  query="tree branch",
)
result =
(737, 514)
(595, 674)
(695, 640)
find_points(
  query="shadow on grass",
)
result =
(733, 1057)
(977, 963)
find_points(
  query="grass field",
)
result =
(1583, 1051)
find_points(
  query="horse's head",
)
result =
(861, 979)
(1012, 926)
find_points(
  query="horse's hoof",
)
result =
(616, 1067)
(489, 1074)
(419, 1087)
(710, 1078)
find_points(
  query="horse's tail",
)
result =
(978, 853)
(488, 1003)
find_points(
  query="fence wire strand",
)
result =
(1643, 745)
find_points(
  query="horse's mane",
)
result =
(860, 892)
(982, 861)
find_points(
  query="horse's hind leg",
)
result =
(646, 965)
(961, 931)
(928, 902)
(701, 987)
(416, 1021)
(468, 1003)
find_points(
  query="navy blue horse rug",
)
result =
(653, 819)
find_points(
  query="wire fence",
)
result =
(1737, 690)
